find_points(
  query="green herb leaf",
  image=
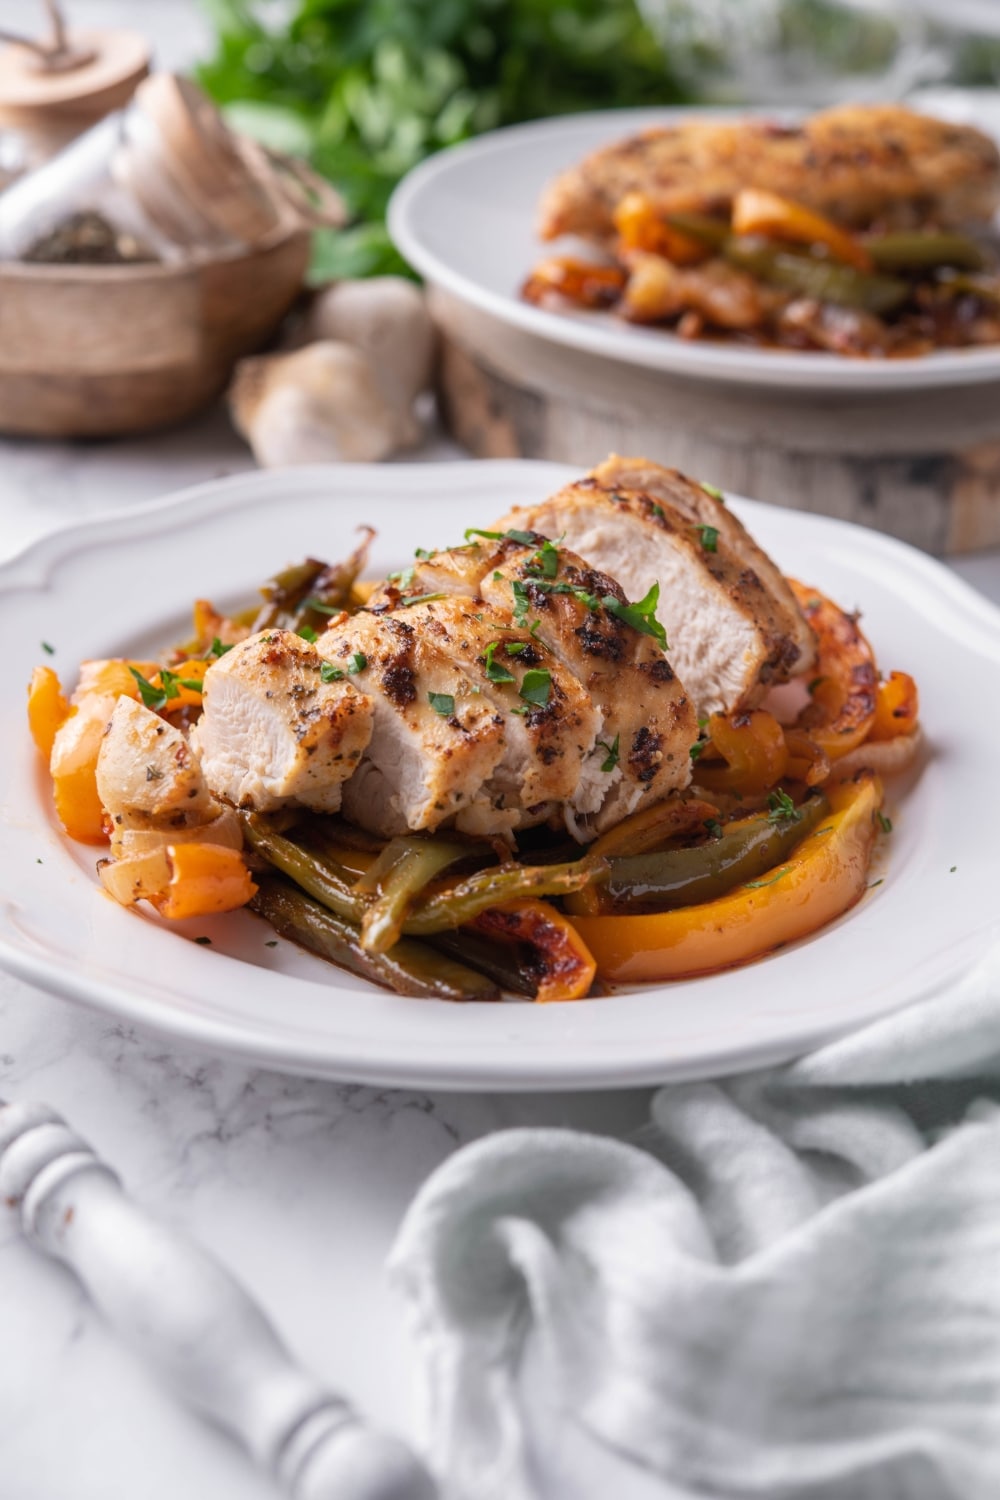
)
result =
(536, 686)
(218, 649)
(783, 809)
(357, 662)
(710, 489)
(49, 650)
(521, 601)
(641, 615)
(423, 555)
(659, 513)
(329, 673)
(419, 599)
(709, 537)
(321, 608)
(308, 634)
(714, 827)
(611, 759)
(403, 578)
(697, 748)
(442, 703)
(155, 698)
(883, 822)
(495, 671)
(514, 648)
(815, 684)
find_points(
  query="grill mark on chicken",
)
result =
(646, 753)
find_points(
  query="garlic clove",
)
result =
(320, 404)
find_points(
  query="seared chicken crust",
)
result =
(860, 164)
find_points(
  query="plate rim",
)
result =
(29, 570)
(655, 349)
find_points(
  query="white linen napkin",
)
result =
(788, 1290)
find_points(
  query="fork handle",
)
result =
(186, 1316)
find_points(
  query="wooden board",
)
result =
(923, 465)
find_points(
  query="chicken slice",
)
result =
(648, 719)
(434, 743)
(273, 731)
(148, 777)
(551, 732)
(706, 508)
(728, 644)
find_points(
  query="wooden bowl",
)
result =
(98, 351)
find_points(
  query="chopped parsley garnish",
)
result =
(953, 869)
(535, 627)
(714, 827)
(514, 648)
(875, 883)
(526, 538)
(757, 885)
(521, 601)
(710, 489)
(641, 616)
(536, 686)
(423, 555)
(883, 822)
(545, 560)
(321, 608)
(783, 809)
(697, 748)
(442, 703)
(356, 663)
(611, 759)
(153, 697)
(419, 599)
(403, 578)
(816, 682)
(49, 650)
(659, 513)
(308, 634)
(709, 537)
(218, 649)
(495, 671)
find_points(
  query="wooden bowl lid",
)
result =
(100, 72)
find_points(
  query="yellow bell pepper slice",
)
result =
(181, 880)
(48, 709)
(823, 878)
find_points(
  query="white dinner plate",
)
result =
(466, 220)
(124, 586)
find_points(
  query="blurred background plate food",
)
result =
(466, 219)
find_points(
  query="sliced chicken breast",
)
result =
(435, 743)
(148, 777)
(728, 642)
(705, 508)
(275, 731)
(648, 719)
(550, 722)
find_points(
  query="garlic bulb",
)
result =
(386, 318)
(319, 404)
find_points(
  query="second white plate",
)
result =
(123, 586)
(466, 220)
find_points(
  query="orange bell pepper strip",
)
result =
(560, 963)
(73, 766)
(753, 746)
(48, 708)
(845, 686)
(897, 707)
(181, 880)
(756, 211)
(640, 227)
(583, 282)
(822, 878)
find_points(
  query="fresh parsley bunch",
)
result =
(368, 88)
